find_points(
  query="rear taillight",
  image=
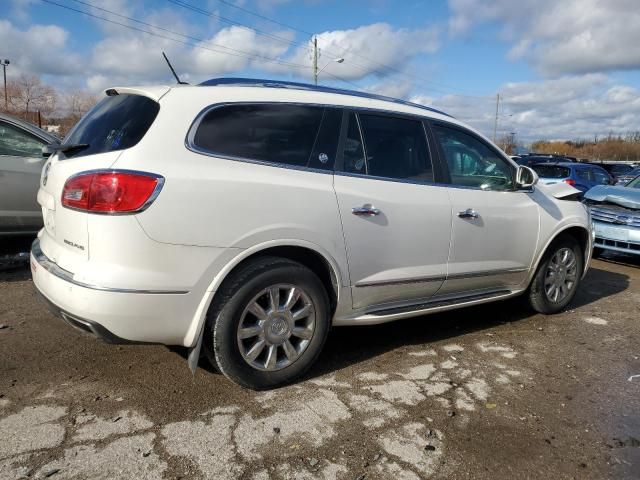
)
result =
(111, 191)
(569, 181)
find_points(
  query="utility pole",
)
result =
(4, 64)
(315, 60)
(495, 125)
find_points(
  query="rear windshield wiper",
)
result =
(64, 148)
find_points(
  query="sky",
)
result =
(563, 70)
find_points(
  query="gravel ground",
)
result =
(490, 392)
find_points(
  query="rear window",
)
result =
(551, 171)
(619, 169)
(298, 135)
(117, 122)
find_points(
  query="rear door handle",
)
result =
(468, 213)
(366, 210)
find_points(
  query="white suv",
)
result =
(249, 217)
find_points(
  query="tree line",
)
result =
(30, 99)
(614, 147)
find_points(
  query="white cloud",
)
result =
(379, 41)
(563, 108)
(28, 46)
(571, 36)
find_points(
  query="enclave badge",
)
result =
(45, 174)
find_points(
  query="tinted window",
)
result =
(278, 133)
(16, 142)
(473, 163)
(354, 161)
(551, 171)
(620, 169)
(117, 122)
(584, 174)
(396, 148)
(601, 177)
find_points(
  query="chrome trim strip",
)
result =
(441, 278)
(486, 273)
(145, 205)
(382, 283)
(38, 255)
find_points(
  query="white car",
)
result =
(248, 217)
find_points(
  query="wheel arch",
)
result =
(306, 253)
(581, 234)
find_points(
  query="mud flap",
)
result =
(194, 353)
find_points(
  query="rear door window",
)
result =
(584, 174)
(396, 148)
(117, 122)
(296, 135)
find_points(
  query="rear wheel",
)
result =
(556, 280)
(268, 324)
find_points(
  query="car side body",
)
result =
(386, 239)
(21, 162)
(578, 175)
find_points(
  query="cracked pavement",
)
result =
(487, 392)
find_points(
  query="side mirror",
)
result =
(526, 177)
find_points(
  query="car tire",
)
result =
(244, 307)
(551, 289)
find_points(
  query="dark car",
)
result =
(627, 177)
(530, 160)
(578, 175)
(617, 169)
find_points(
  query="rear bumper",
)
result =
(114, 315)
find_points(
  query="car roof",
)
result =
(29, 127)
(556, 164)
(257, 82)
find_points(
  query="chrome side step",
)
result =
(438, 303)
(390, 313)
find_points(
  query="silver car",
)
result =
(616, 216)
(21, 163)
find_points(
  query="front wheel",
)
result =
(556, 280)
(268, 324)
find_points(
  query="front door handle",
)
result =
(366, 210)
(468, 213)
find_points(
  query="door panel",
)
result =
(401, 253)
(396, 225)
(494, 229)
(494, 250)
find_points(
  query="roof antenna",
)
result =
(180, 82)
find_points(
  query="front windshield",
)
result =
(635, 183)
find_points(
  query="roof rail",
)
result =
(257, 82)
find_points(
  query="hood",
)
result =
(558, 190)
(623, 196)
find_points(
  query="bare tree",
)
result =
(29, 95)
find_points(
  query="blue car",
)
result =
(582, 176)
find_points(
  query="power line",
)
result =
(231, 51)
(264, 17)
(229, 21)
(384, 66)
